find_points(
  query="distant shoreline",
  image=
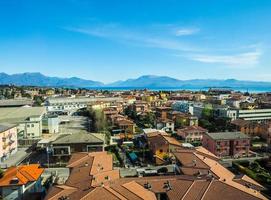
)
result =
(251, 90)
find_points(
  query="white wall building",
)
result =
(72, 104)
(28, 120)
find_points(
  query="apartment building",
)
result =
(192, 133)
(162, 112)
(28, 120)
(255, 114)
(8, 141)
(227, 144)
(183, 106)
(254, 128)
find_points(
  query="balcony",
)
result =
(5, 146)
(11, 142)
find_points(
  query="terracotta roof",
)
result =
(146, 188)
(139, 191)
(155, 133)
(240, 122)
(194, 160)
(100, 193)
(105, 177)
(171, 140)
(125, 122)
(220, 190)
(163, 138)
(21, 175)
(87, 171)
(192, 129)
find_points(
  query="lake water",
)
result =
(250, 90)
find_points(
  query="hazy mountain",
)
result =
(148, 81)
(168, 82)
(38, 79)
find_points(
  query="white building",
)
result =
(255, 115)
(28, 120)
(72, 104)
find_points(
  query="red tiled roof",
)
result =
(21, 175)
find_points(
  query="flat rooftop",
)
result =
(61, 100)
(18, 114)
(228, 135)
(15, 102)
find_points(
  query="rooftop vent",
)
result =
(167, 186)
(147, 186)
(14, 180)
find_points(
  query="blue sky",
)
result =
(109, 40)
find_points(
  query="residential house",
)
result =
(227, 144)
(192, 133)
(92, 177)
(87, 172)
(162, 112)
(252, 128)
(161, 146)
(21, 182)
(200, 162)
(183, 119)
(140, 106)
(126, 125)
(8, 140)
(165, 125)
(65, 145)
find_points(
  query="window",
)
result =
(32, 125)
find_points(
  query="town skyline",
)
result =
(86, 39)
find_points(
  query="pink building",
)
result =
(192, 133)
(8, 140)
(224, 144)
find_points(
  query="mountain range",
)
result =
(147, 81)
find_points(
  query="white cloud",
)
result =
(135, 37)
(186, 31)
(160, 36)
(248, 58)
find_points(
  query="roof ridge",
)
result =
(244, 190)
(79, 160)
(122, 185)
(206, 190)
(26, 173)
(188, 190)
(112, 191)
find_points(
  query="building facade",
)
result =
(8, 139)
(227, 144)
